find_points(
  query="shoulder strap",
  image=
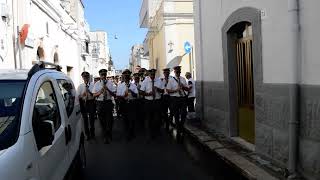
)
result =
(175, 79)
(184, 93)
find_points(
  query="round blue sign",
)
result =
(187, 47)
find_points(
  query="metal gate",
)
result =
(246, 118)
(245, 71)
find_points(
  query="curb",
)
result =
(247, 168)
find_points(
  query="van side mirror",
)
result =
(46, 133)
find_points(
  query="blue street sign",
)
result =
(187, 47)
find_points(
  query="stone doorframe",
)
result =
(253, 16)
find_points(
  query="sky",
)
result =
(116, 17)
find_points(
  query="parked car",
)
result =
(41, 135)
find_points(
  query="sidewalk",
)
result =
(245, 161)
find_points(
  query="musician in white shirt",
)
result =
(104, 91)
(127, 95)
(166, 100)
(87, 105)
(152, 89)
(191, 93)
(176, 87)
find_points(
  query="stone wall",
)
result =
(272, 111)
(309, 141)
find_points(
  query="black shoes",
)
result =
(106, 141)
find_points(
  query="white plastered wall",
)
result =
(310, 39)
(277, 62)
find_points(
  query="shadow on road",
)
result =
(161, 159)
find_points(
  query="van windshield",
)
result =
(11, 93)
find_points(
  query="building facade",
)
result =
(257, 70)
(53, 31)
(138, 59)
(100, 52)
(170, 25)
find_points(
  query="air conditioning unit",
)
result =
(4, 10)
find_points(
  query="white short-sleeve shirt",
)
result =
(123, 87)
(192, 91)
(165, 84)
(146, 87)
(82, 89)
(99, 85)
(173, 85)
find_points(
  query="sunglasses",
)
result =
(103, 74)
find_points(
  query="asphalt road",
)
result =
(162, 159)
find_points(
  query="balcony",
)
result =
(146, 47)
(144, 14)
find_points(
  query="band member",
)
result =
(191, 93)
(166, 99)
(152, 89)
(104, 91)
(87, 105)
(142, 116)
(143, 73)
(176, 87)
(139, 102)
(127, 93)
(116, 80)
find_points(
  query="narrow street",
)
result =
(161, 159)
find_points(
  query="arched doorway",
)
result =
(244, 74)
(242, 70)
(55, 58)
(40, 54)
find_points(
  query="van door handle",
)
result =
(29, 166)
(66, 132)
(70, 132)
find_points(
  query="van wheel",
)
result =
(81, 160)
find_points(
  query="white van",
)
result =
(41, 134)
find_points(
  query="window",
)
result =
(56, 58)
(70, 71)
(11, 99)
(87, 47)
(47, 28)
(68, 94)
(46, 106)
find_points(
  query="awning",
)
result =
(174, 62)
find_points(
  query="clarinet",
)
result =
(128, 89)
(181, 91)
(87, 92)
(104, 92)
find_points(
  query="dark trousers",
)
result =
(153, 117)
(128, 110)
(165, 106)
(179, 107)
(140, 115)
(190, 104)
(88, 115)
(104, 109)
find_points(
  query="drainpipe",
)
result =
(14, 37)
(293, 9)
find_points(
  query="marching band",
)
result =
(138, 99)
